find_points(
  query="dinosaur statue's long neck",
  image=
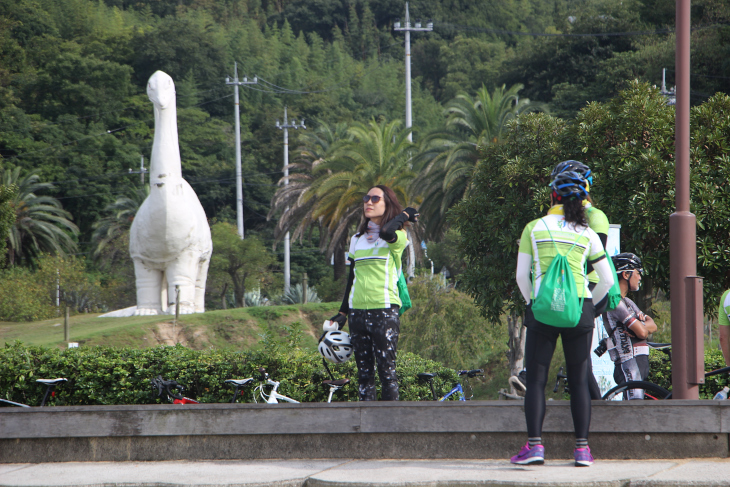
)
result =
(165, 161)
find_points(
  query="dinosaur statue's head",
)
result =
(161, 89)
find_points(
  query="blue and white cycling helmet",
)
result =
(335, 346)
(569, 184)
(576, 166)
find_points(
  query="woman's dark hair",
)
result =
(392, 208)
(574, 211)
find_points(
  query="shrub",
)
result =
(106, 376)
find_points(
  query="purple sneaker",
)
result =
(583, 457)
(530, 456)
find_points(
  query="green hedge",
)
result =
(105, 376)
(661, 372)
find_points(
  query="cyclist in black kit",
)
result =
(628, 328)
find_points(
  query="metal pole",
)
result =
(409, 118)
(239, 180)
(66, 327)
(285, 127)
(287, 257)
(687, 351)
(141, 170)
(407, 28)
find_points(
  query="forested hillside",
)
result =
(74, 113)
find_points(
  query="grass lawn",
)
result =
(238, 328)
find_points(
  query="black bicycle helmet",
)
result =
(570, 184)
(627, 262)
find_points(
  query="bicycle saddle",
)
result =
(426, 376)
(338, 382)
(51, 382)
(239, 382)
(659, 346)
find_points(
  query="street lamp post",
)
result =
(407, 28)
(285, 127)
(687, 313)
(239, 181)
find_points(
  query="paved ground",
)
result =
(361, 473)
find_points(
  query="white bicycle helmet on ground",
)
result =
(335, 346)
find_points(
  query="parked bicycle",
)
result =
(171, 389)
(50, 391)
(650, 390)
(273, 396)
(334, 384)
(457, 389)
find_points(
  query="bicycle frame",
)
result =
(456, 390)
(273, 396)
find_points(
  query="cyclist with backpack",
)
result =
(598, 222)
(628, 327)
(372, 301)
(556, 249)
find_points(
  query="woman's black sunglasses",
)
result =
(374, 199)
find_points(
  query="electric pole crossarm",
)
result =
(239, 182)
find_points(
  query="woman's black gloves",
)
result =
(412, 214)
(340, 319)
(387, 233)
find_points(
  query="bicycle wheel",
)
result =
(651, 390)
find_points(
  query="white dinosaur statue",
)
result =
(169, 241)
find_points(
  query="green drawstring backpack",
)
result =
(557, 302)
(403, 294)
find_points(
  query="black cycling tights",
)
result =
(539, 348)
(374, 337)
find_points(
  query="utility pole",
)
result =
(688, 360)
(408, 29)
(239, 181)
(141, 172)
(285, 127)
(671, 96)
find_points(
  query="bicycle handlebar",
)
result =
(161, 384)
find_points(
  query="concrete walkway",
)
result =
(361, 473)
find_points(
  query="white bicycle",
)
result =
(273, 397)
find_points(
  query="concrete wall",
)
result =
(474, 429)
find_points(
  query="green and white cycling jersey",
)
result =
(724, 309)
(598, 221)
(537, 242)
(377, 267)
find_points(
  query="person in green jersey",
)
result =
(724, 322)
(371, 301)
(564, 229)
(598, 222)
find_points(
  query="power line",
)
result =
(438, 25)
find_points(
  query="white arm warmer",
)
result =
(605, 280)
(524, 265)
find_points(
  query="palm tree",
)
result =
(339, 172)
(41, 223)
(448, 157)
(115, 227)
(296, 214)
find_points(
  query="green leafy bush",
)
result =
(106, 376)
(661, 372)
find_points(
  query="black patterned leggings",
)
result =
(374, 337)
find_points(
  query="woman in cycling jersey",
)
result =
(371, 301)
(565, 229)
(598, 222)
